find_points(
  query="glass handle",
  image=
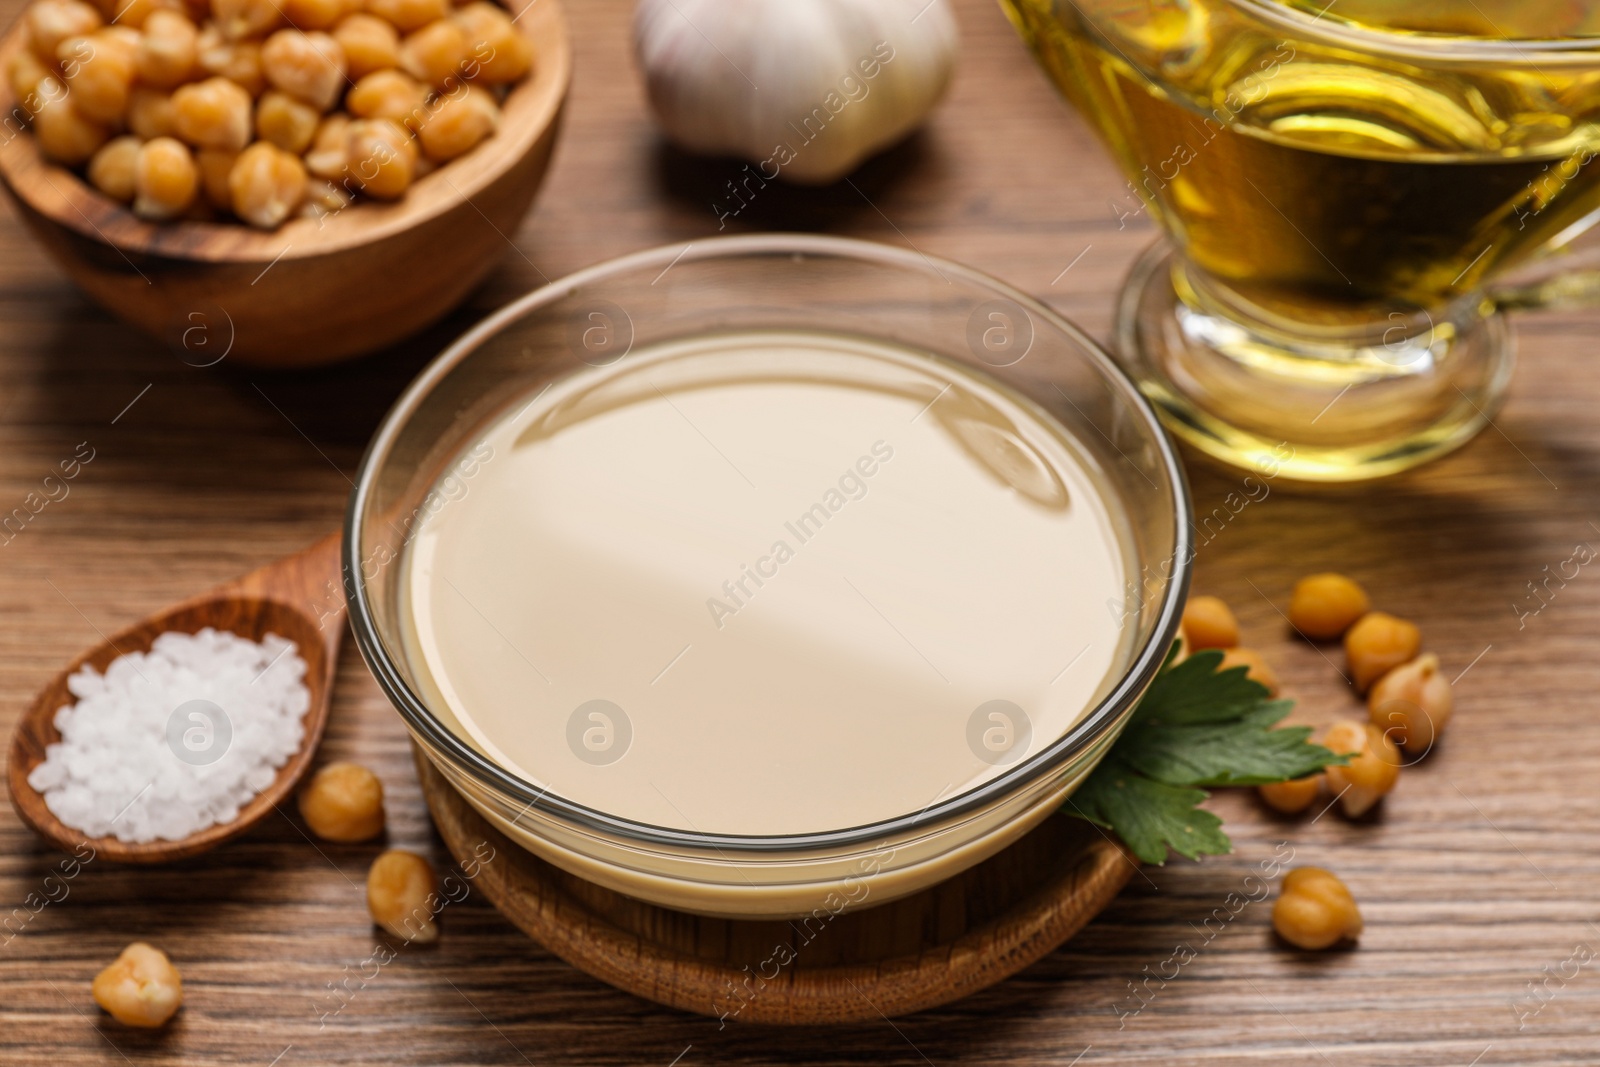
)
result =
(1568, 276)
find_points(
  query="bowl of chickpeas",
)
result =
(280, 182)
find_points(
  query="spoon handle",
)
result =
(308, 581)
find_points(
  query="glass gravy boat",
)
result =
(1350, 194)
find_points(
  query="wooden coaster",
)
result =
(940, 945)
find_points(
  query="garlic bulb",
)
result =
(806, 89)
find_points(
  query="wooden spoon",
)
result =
(298, 597)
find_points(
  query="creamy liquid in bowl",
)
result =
(766, 583)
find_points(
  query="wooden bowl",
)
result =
(939, 945)
(312, 291)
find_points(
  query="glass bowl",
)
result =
(945, 315)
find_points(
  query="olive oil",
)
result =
(1330, 165)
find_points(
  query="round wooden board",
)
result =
(937, 946)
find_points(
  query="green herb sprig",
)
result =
(1196, 727)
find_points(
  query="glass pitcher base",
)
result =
(1340, 407)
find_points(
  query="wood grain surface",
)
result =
(1477, 880)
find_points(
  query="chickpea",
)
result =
(1257, 669)
(1323, 606)
(215, 165)
(324, 199)
(168, 50)
(142, 988)
(266, 185)
(344, 801)
(408, 15)
(309, 66)
(1295, 795)
(238, 61)
(402, 895)
(99, 71)
(435, 54)
(1372, 772)
(317, 14)
(50, 22)
(1315, 910)
(111, 168)
(1377, 644)
(134, 13)
(1412, 703)
(1207, 622)
(498, 52)
(286, 122)
(330, 147)
(381, 157)
(240, 20)
(369, 44)
(165, 179)
(25, 74)
(63, 134)
(214, 113)
(150, 113)
(389, 94)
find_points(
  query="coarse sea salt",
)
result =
(171, 741)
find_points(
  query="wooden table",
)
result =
(1478, 879)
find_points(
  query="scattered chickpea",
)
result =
(242, 19)
(111, 169)
(330, 148)
(150, 113)
(1323, 606)
(402, 893)
(389, 94)
(309, 66)
(435, 54)
(1257, 672)
(1368, 776)
(1207, 621)
(286, 122)
(238, 61)
(165, 179)
(1315, 910)
(169, 49)
(215, 165)
(214, 113)
(408, 15)
(381, 157)
(1412, 703)
(64, 135)
(1293, 796)
(142, 988)
(99, 72)
(344, 802)
(50, 22)
(460, 120)
(369, 44)
(500, 53)
(1377, 644)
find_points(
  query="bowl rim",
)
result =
(1110, 714)
(59, 194)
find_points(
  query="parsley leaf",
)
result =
(1196, 726)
